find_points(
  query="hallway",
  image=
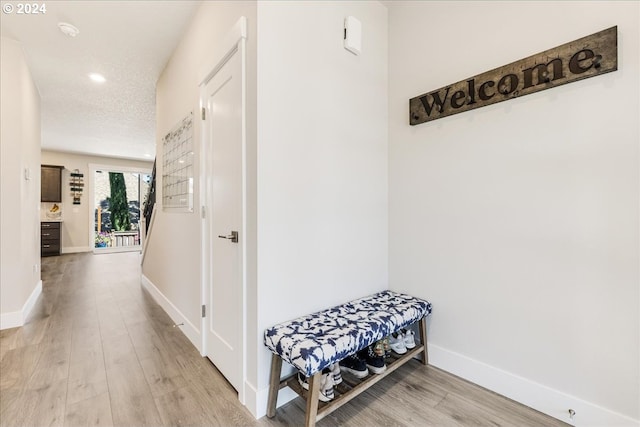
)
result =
(98, 350)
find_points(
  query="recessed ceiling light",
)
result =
(68, 29)
(98, 78)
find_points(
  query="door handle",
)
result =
(233, 237)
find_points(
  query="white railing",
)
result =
(119, 240)
(125, 238)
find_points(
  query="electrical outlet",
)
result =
(35, 268)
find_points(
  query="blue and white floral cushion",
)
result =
(313, 342)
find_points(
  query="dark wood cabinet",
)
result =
(49, 238)
(51, 183)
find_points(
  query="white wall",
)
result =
(316, 184)
(172, 261)
(20, 198)
(321, 163)
(519, 221)
(74, 232)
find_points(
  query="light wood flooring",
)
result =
(98, 351)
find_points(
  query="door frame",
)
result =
(93, 168)
(233, 43)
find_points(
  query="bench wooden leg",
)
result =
(423, 340)
(312, 399)
(274, 385)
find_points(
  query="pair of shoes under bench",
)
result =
(354, 365)
(367, 359)
(375, 363)
(328, 379)
(402, 340)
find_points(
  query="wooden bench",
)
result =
(312, 343)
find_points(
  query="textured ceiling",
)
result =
(129, 42)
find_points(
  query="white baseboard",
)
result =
(251, 399)
(537, 396)
(31, 301)
(75, 249)
(11, 320)
(176, 315)
(15, 319)
(256, 400)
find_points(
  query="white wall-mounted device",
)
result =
(352, 35)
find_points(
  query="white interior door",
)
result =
(224, 125)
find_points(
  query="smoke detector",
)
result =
(68, 29)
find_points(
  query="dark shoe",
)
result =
(374, 363)
(355, 366)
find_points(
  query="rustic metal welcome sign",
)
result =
(580, 59)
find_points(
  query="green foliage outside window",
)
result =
(118, 204)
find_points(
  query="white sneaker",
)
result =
(396, 342)
(326, 385)
(409, 339)
(335, 371)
